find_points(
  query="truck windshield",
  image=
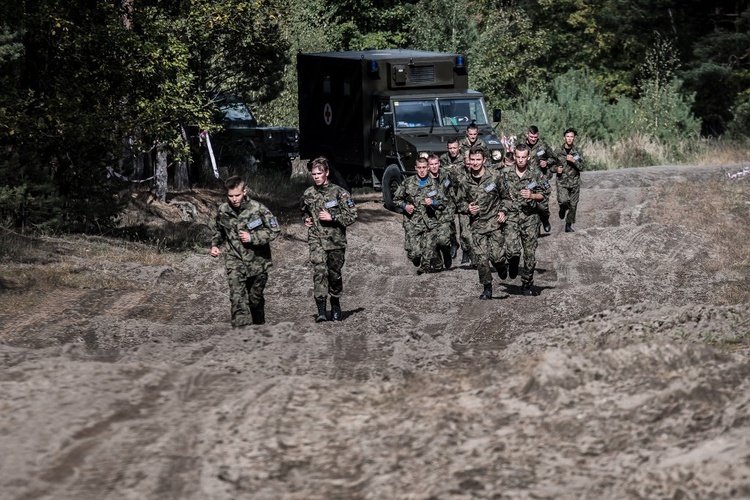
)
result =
(462, 111)
(437, 112)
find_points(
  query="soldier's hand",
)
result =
(473, 208)
(325, 215)
(428, 201)
(215, 252)
(308, 221)
(525, 193)
(501, 217)
(409, 209)
(245, 237)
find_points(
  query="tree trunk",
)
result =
(182, 180)
(161, 174)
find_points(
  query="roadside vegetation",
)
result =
(123, 85)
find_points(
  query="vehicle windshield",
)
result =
(462, 111)
(236, 111)
(442, 111)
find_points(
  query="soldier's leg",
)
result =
(574, 196)
(481, 257)
(466, 239)
(319, 261)
(563, 198)
(426, 244)
(512, 247)
(442, 257)
(411, 245)
(336, 260)
(497, 246)
(529, 238)
(255, 286)
(238, 294)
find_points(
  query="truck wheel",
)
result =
(392, 178)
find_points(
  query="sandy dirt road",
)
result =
(603, 386)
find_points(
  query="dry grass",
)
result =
(641, 151)
(720, 211)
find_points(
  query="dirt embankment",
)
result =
(620, 380)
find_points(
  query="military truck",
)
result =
(372, 112)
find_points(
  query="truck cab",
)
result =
(372, 112)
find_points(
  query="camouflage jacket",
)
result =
(446, 162)
(411, 192)
(542, 151)
(447, 194)
(465, 146)
(571, 175)
(331, 235)
(490, 192)
(535, 181)
(254, 218)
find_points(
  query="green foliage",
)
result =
(443, 26)
(503, 58)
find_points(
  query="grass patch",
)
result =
(720, 211)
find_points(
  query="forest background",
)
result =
(87, 86)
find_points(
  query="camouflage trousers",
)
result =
(327, 266)
(245, 293)
(421, 247)
(465, 237)
(522, 233)
(443, 237)
(489, 250)
(569, 195)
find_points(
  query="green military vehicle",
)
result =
(372, 112)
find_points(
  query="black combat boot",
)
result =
(465, 258)
(321, 303)
(529, 292)
(336, 314)
(259, 315)
(447, 253)
(454, 249)
(569, 228)
(545, 223)
(487, 293)
(502, 270)
(513, 266)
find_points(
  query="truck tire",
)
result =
(392, 178)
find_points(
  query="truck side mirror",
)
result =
(496, 115)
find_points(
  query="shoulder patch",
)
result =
(272, 222)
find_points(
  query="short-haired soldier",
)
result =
(244, 227)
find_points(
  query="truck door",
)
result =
(381, 135)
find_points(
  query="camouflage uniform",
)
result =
(491, 194)
(456, 169)
(246, 264)
(569, 182)
(538, 152)
(445, 233)
(465, 147)
(420, 226)
(522, 229)
(327, 239)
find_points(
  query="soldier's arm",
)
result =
(348, 211)
(399, 197)
(579, 164)
(219, 236)
(267, 230)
